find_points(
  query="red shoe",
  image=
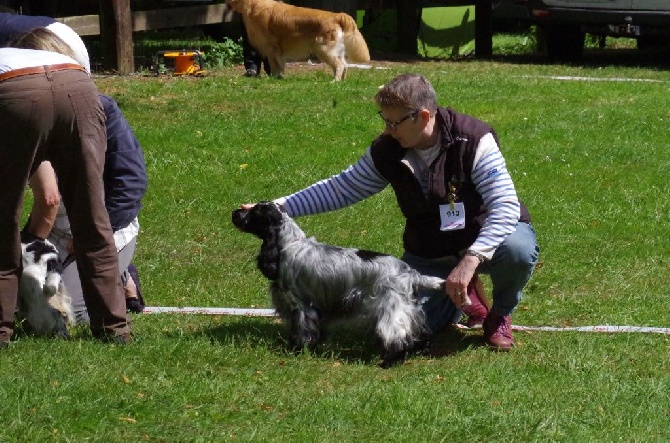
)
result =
(498, 332)
(477, 310)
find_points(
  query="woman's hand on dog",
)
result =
(458, 280)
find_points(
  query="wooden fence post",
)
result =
(484, 29)
(116, 35)
(407, 25)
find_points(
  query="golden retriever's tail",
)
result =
(354, 43)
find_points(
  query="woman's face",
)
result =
(404, 125)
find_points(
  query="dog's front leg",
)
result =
(303, 322)
(305, 328)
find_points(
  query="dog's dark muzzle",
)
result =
(240, 217)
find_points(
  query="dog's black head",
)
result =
(264, 221)
(38, 250)
(259, 219)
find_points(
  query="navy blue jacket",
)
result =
(12, 25)
(125, 173)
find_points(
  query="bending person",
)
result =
(50, 110)
(125, 184)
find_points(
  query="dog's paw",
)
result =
(394, 359)
(422, 346)
(61, 330)
(300, 345)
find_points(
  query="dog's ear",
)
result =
(271, 210)
(268, 258)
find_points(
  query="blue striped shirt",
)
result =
(362, 180)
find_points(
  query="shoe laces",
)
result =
(501, 325)
(504, 327)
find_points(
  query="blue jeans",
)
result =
(510, 269)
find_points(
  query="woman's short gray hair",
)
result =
(409, 91)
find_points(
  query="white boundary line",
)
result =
(599, 328)
(255, 312)
(593, 79)
(209, 311)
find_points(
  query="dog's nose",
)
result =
(238, 216)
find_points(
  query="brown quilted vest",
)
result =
(450, 171)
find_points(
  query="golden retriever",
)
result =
(284, 32)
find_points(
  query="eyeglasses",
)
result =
(394, 125)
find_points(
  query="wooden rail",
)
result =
(156, 19)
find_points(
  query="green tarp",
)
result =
(443, 33)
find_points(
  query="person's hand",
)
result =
(247, 206)
(457, 282)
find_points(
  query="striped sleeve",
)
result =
(358, 182)
(493, 182)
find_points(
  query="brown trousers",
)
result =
(57, 116)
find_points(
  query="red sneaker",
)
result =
(498, 332)
(477, 310)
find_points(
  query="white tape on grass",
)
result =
(593, 79)
(209, 311)
(600, 328)
(255, 312)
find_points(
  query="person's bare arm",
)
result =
(46, 200)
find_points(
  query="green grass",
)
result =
(590, 159)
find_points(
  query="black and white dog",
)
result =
(43, 301)
(312, 283)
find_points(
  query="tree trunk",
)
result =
(116, 35)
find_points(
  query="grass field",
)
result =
(588, 148)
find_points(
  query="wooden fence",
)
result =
(116, 23)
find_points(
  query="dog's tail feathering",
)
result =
(354, 43)
(428, 282)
